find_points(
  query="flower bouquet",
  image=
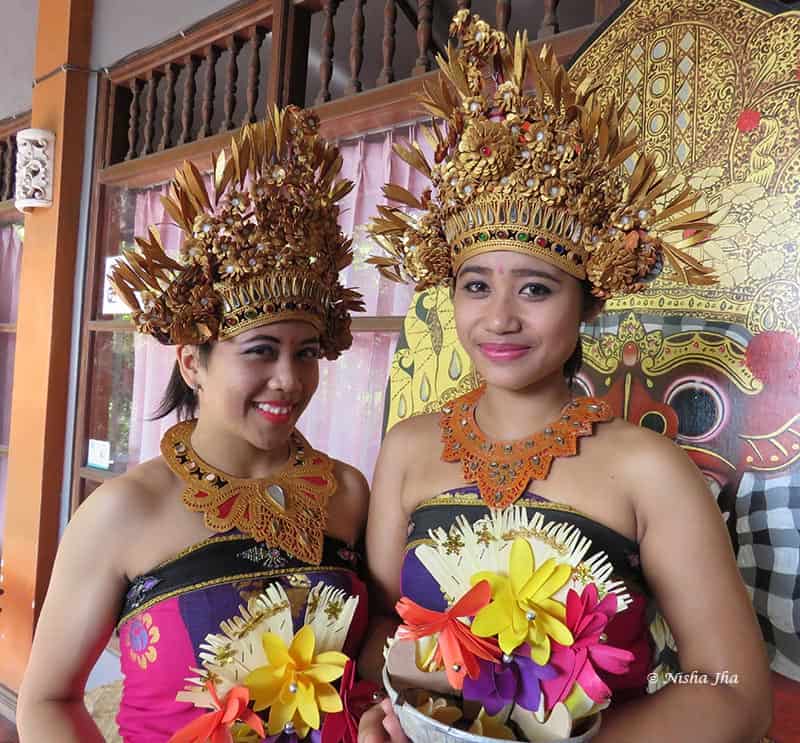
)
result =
(264, 682)
(516, 653)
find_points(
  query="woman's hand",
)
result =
(379, 724)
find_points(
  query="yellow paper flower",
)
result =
(522, 608)
(295, 683)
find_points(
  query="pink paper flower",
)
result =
(587, 618)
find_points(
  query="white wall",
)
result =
(122, 26)
(17, 41)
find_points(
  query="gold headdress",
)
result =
(534, 172)
(265, 246)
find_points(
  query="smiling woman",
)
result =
(522, 522)
(239, 526)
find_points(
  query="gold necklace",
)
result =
(289, 509)
(503, 469)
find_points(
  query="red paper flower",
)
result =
(216, 726)
(749, 119)
(342, 727)
(457, 648)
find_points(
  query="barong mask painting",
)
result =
(712, 89)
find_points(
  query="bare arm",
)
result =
(386, 536)
(688, 561)
(77, 618)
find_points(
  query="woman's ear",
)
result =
(189, 364)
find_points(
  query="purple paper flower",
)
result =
(516, 679)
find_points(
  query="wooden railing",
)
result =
(8, 153)
(222, 73)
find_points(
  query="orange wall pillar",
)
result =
(44, 329)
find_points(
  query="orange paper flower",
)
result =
(216, 726)
(456, 648)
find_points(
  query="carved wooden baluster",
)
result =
(170, 77)
(209, 85)
(424, 29)
(254, 72)
(549, 25)
(233, 46)
(326, 59)
(503, 13)
(133, 120)
(356, 48)
(151, 88)
(5, 170)
(464, 4)
(389, 33)
(191, 64)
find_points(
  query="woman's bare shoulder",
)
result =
(415, 434)
(648, 461)
(351, 500)
(132, 498)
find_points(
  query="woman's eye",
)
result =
(265, 351)
(476, 287)
(311, 353)
(535, 290)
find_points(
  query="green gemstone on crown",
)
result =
(483, 236)
(523, 237)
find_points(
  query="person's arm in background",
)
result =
(77, 618)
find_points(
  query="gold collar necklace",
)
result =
(503, 469)
(289, 509)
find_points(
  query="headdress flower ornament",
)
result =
(265, 245)
(536, 172)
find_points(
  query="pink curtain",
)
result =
(153, 361)
(10, 262)
(344, 418)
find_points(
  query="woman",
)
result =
(238, 501)
(532, 226)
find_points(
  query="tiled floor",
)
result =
(8, 733)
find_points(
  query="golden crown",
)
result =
(537, 172)
(264, 246)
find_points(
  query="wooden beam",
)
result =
(13, 124)
(604, 8)
(238, 18)
(9, 213)
(43, 345)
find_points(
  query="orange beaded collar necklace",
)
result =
(503, 469)
(287, 510)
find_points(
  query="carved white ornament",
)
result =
(34, 177)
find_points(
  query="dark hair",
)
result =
(178, 395)
(574, 362)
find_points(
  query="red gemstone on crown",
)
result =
(486, 151)
(541, 242)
